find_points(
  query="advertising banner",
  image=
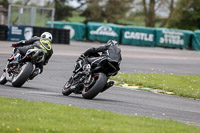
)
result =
(103, 32)
(173, 38)
(77, 30)
(17, 33)
(138, 36)
(196, 40)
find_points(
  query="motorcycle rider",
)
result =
(42, 42)
(110, 50)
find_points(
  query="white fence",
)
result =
(30, 16)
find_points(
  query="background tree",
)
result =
(186, 15)
(4, 3)
(152, 9)
(106, 10)
(94, 11)
(62, 10)
(149, 12)
(116, 10)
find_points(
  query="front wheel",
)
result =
(3, 78)
(25, 72)
(100, 80)
(66, 91)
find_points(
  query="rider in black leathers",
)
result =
(43, 42)
(111, 50)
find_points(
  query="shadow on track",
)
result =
(95, 99)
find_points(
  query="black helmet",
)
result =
(112, 43)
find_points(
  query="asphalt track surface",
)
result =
(47, 86)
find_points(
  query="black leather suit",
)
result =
(112, 52)
(24, 46)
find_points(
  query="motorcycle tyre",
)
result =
(66, 91)
(23, 75)
(3, 78)
(96, 88)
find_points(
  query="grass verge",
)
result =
(181, 85)
(39, 117)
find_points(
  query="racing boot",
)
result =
(35, 73)
(108, 85)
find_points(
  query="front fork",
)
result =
(8, 71)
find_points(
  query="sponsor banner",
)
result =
(17, 33)
(77, 30)
(103, 32)
(173, 38)
(138, 36)
(72, 31)
(196, 40)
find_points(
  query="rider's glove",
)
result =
(82, 55)
(14, 45)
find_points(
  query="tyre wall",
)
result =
(17, 33)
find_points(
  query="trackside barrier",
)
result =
(196, 40)
(138, 36)
(77, 30)
(128, 35)
(17, 33)
(3, 32)
(173, 38)
(103, 32)
(59, 35)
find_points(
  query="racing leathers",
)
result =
(109, 51)
(95, 55)
(36, 42)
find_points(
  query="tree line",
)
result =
(178, 14)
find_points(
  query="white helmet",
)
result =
(47, 35)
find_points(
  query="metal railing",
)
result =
(29, 15)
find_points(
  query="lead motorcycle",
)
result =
(19, 72)
(90, 79)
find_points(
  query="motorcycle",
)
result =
(19, 72)
(91, 78)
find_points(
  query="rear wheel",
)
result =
(3, 78)
(99, 81)
(25, 72)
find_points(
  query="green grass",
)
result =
(181, 85)
(25, 19)
(76, 17)
(40, 117)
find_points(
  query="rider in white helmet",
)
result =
(42, 42)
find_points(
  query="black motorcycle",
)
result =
(19, 72)
(91, 76)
